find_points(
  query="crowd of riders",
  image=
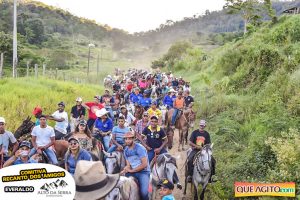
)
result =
(127, 117)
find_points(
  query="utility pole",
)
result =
(88, 68)
(15, 55)
(98, 64)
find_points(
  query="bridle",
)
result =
(198, 157)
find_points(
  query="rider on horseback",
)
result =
(61, 118)
(43, 137)
(103, 127)
(137, 163)
(118, 136)
(21, 156)
(198, 139)
(178, 105)
(6, 137)
(156, 139)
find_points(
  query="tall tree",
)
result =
(248, 8)
(270, 10)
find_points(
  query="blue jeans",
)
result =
(104, 140)
(90, 123)
(143, 178)
(114, 147)
(151, 154)
(111, 113)
(51, 155)
(174, 116)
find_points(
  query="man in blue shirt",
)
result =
(169, 99)
(135, 96)
(145, 101)
(118, 135)
(103, 127)
(21, 156)
(137, 164)
(156, 139)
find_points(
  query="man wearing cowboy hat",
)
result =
(92, 182)
(77, 113)
(103, 127)
(137, 164)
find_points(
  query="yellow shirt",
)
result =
(156, 112)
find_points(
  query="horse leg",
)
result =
(203, 191)
(180, 139)
(195, 192)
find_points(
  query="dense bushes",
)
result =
(249, 91)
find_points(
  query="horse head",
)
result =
(190, 116)
(204, 159)
(24, 128)
(112, 162)
(166, 166)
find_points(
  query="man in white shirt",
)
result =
(61, 118)
(43, 137)
(5, 138)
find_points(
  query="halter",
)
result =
(198, 158)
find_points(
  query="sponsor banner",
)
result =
(36, 181)
(243, 189)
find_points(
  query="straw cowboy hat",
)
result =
(101, 112)
(91, 180)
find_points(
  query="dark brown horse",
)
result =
(183, 123)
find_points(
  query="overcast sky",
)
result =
(136, 15)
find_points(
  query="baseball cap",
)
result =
(25, 143)
(154, 117)
(61, 103)
(166, 184)
(2, 120)
(73, 138)
(202, 122)
(37, 110)
(82, 122)
(79, 99)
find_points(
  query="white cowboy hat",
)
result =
(101, 112)
(91, 180)
(172, 90)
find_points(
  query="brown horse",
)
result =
(183, 123)
(23, 133)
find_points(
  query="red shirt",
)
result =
(93, 108)
(129, 87)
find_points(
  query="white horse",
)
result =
(202, 170)
(126, 189)
(164, 167)
(114, 162)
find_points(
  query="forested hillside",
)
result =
(249, 92)
(53, 36)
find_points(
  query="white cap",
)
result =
(2, 120)
(202, 122)
(79, 99)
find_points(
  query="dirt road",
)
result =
(181, 157)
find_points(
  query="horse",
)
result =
(60, 147)
(163, 166)
(126, 189)
(114, 162)
(184, 121)
(202, 170)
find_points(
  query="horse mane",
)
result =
(161, 159)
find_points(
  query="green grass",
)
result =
(20, 96)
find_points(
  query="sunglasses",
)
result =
(73, 143)
(146, 116)
(82, 125)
